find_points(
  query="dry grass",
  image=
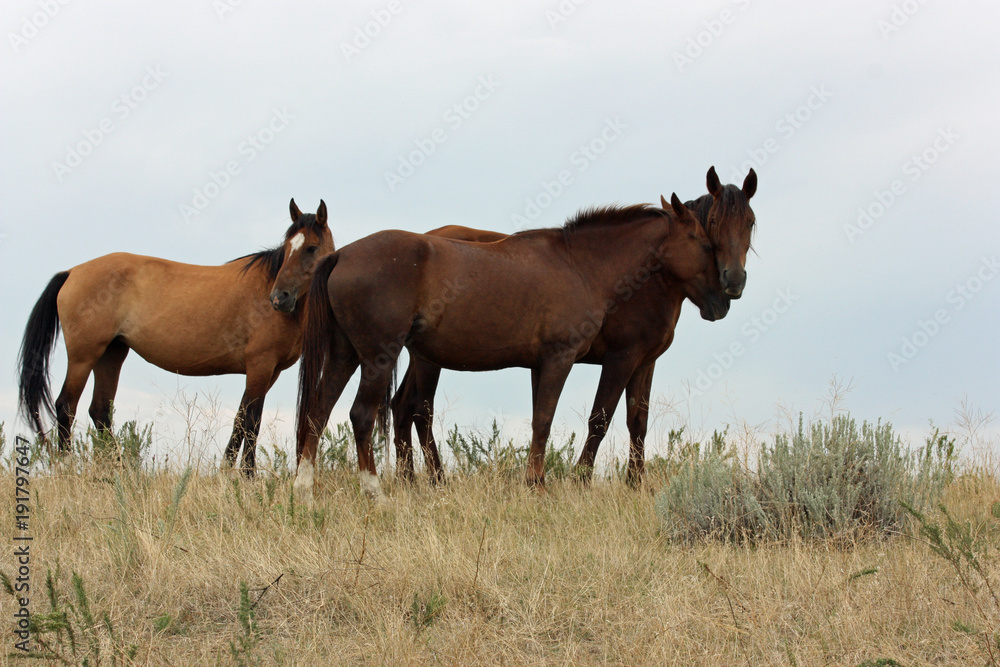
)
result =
(479, 571)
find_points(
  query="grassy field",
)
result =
(132, 565)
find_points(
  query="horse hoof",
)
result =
(371, 487)
(302, 488)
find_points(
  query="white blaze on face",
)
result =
(297, 241)
(370, 486)
(303, 487)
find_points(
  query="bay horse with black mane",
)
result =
(186, 319)
(631, 339)
(536, 299)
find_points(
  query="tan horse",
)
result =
(186, 319)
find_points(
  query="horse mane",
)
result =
(701, 206)
(606, 216)
(270, 260)
(732, 201)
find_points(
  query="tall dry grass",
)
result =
(202, 568)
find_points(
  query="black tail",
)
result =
(315, 344)
(384, 410)
(40, 335)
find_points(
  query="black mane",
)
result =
(732, 201)
(271, 260)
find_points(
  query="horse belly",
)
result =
(176, 355)
(471, 357)
(475, 343)
(189, 340)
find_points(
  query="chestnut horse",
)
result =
(186, 319)
(536, 299)
(627, 359)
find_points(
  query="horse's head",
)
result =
(691, 260)
(727, 217)
(306, 241)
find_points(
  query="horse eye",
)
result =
(312, 249)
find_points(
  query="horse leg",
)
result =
(403, 407)
(260, 376)
(375, 379)
(614, 376)
(257, 388)
(637, 398)
(547, 385)
(412, 405)
(338, 369)
(236, 439)
(251, 428)
(106, 374)
(427, 382)
(77, 371)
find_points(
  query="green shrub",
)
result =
(71, 632)
(969, 547)
(474, 453)
(338, 451)
(830, 481)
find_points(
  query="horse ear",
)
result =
(663, 203)
(750, 184)
(294, 210)
(675, 203)
(321, 214)
(714, 184)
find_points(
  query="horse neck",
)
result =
(258, 279)
(611, 253)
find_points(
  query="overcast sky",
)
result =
(182, 129)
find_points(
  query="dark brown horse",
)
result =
(630, 341)
(192, 320)
(536, 299)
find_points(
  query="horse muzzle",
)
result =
(732, 285)
(715, 310)
(283, 301)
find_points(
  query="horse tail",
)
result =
(40, 335)
(382, 419)
(316, 337)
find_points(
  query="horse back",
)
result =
(460, 233)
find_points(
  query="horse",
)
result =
(536, 299)
(186, 319)
(627, 360)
